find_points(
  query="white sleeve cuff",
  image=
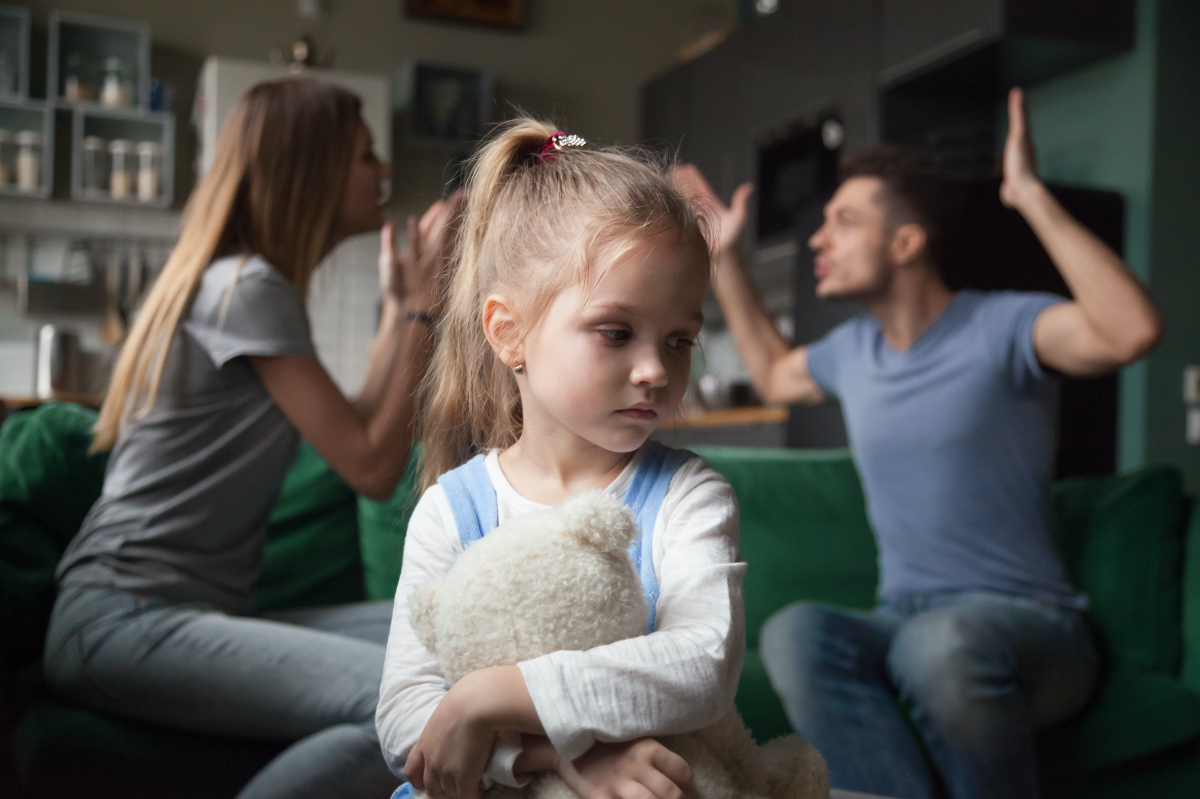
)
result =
(499, 769)
(554, 707)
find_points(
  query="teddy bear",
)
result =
(562, 579)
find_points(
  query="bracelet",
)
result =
(420, 316)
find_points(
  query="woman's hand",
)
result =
(726, 222)
(415, 276)
(630, 770)
(450, 756)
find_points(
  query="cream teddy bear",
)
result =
(562, 579)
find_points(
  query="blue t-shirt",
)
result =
(955, 441)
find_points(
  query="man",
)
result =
(949, 404)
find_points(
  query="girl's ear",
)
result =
(501, 328)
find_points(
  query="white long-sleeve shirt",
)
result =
(679, 678)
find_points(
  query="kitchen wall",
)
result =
(577, 61)
(1131, 123)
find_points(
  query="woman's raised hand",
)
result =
(415, 276)
(630, 770)
(726, 222)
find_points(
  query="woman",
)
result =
(211, 392)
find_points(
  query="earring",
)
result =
(519, 368)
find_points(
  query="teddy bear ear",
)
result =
(421, 605)
(600, 519)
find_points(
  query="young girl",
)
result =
(155, 617)
(566, 342)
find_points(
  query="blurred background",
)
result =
(109, 108)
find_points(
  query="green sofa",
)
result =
(1132, 542)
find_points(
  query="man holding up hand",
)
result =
(949, 403)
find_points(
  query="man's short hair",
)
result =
(915, 190)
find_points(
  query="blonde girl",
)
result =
(565, 343)
(155, 617)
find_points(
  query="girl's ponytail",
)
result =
(471, 402)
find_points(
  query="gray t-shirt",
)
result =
(189, 488)
(954, 440)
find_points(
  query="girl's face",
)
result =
(359, 211)
(606, 369)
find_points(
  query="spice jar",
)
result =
(29, 160)
(8, 155)
(116, 91)
(95, 166)
(120, 181)
(79, 79)
(149, 170)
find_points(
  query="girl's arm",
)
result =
(413, 686)
(368, 443)
(684, 675)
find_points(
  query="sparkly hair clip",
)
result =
(559, 141)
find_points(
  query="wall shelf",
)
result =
(109, 125)
(17, 116)
(14, 52)
(86, 52)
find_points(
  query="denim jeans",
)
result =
(979, 673)
(310, 677)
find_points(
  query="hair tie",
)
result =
(557, 141)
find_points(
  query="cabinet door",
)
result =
(922, 34)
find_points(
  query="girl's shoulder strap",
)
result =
(645, 495)
(472, 500)
(650, 482)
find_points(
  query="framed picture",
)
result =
(443, 103)
(498, 13)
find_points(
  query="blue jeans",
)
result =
(310, 677)
(979, 673)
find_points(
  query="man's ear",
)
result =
(501, 328)
(908, 243)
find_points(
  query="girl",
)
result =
(566, 342)
(155, 614)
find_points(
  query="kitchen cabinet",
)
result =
(14, 52)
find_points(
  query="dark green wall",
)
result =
(1132, 124)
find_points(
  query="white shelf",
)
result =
(135, 127)
(93, 39)
(14, 46)
(20, 115)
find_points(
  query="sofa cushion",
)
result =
(822, 551)
(62, 751)
(1120, 538)
(311, 555)
(45, 468)
(381, 530)
(1135, 713)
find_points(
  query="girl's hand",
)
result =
(415, 276)
(630, 770)
(450, 756)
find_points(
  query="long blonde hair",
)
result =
(532, 227)
(273, 190)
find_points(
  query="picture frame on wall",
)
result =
(493, 13)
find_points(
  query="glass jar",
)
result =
(116, 90)
(95, 166)
(120, 180)
(79, 79)
(8, 156)
(149, 174)
(29, 160)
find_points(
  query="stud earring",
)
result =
(519, 368)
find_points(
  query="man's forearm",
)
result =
(1108, 293)
(754, 332)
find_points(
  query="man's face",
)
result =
(851, 246)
